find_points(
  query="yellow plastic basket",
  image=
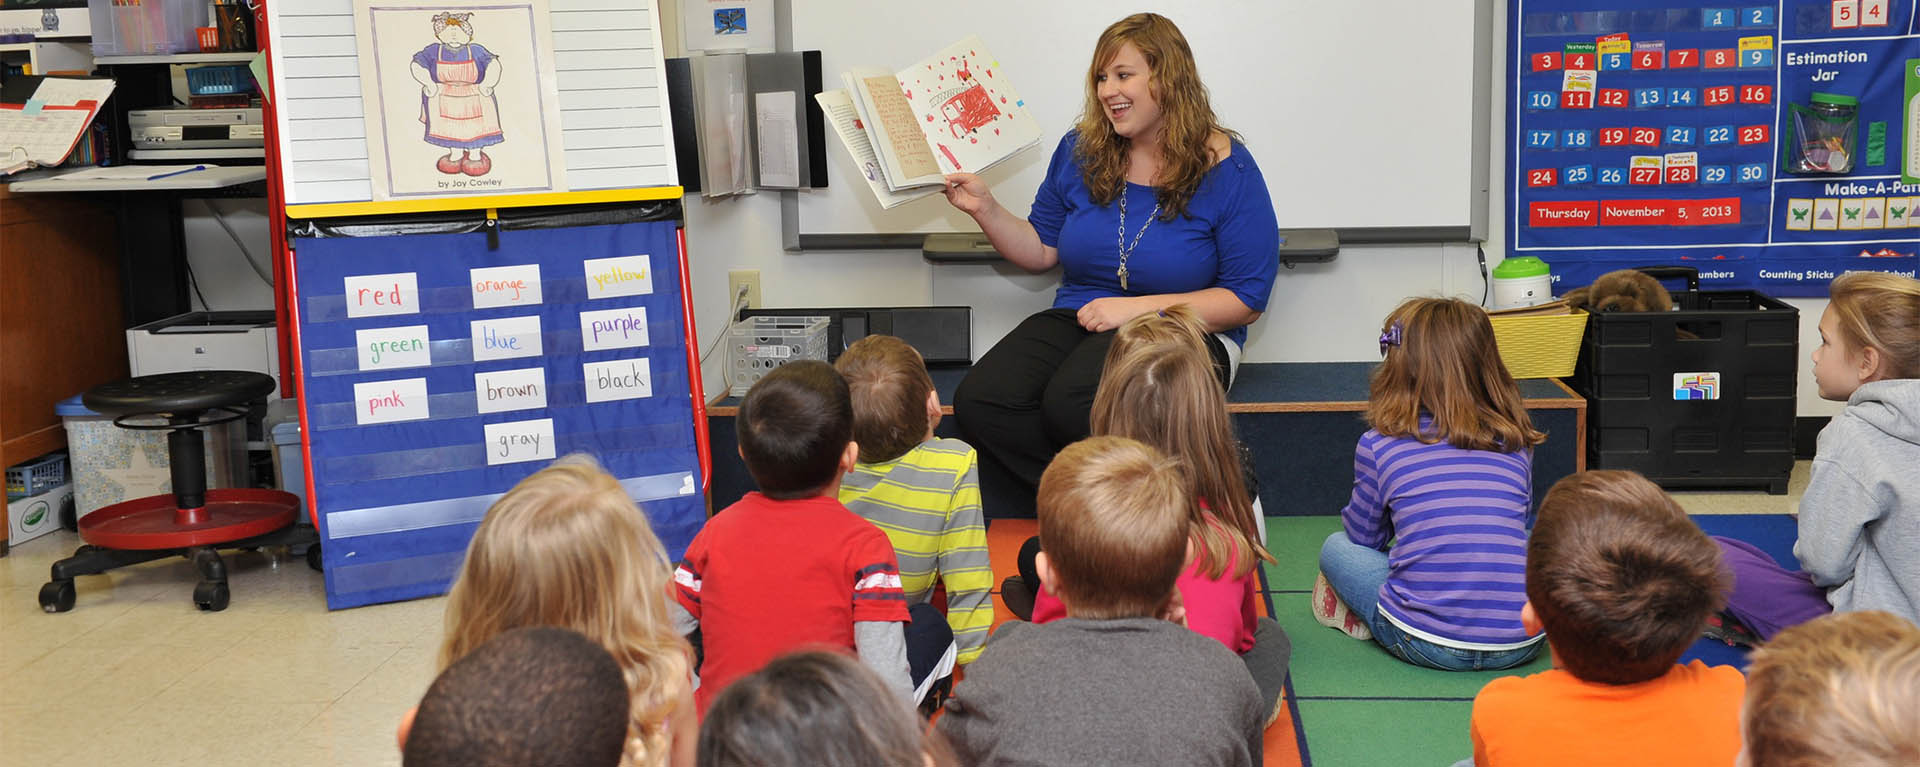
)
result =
(1540, 346)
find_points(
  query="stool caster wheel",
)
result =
(57, 596)
(313, 557)
(211, 596)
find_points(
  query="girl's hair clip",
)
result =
(1389, 337)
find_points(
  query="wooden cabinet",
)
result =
(61, 314)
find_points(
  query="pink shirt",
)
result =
(1221, 608)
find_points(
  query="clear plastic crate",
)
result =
(757, 345)
(37, 476)
(144, 27)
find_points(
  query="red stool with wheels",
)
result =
(193, 521)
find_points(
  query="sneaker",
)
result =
(1333, 613)
(1017, 596)
(1728, 629)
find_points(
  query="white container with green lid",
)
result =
(1521, 282)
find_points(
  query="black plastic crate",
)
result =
(1698, 397)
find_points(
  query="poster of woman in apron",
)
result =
(457, 78)
(460, 97)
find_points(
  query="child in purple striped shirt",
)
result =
(1432, 561)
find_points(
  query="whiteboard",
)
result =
(608, 63)
(1359, 114)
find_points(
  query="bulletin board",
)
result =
(438, 370)
(1641, 133)
(615, 137)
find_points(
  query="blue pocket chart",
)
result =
(437, 371)
(1689, 150)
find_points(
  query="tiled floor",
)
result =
(136, 675)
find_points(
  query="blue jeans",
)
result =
(1357, 572)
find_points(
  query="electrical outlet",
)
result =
(748, 279)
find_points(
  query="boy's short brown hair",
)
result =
(794, 424)
(1619, 576)
(890, 385)
(1839, 689)
(1113, 522)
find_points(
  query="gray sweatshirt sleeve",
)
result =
(882, 645)
(683, 622)
(1834, 513)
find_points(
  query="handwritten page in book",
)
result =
(971, 113)
(67, 91)
(839, 110)
(900, 138)
(44, 136)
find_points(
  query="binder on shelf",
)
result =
(42, 119)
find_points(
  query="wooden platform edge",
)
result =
(1573, 401)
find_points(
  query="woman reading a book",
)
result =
(1147, 203)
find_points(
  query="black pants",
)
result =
(1028, 397)
(929, 636)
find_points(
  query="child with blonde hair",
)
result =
(1839, 689)
(567, 547)
(1160, 387)
(1431, 563)
(1860, 513)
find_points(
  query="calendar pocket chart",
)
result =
(438, 370)
(1763, 144)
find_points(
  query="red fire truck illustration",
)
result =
(969, 110)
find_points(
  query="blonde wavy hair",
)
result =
(1159, 386)
(1187, 121)
(567, 547)
(1841, 689)
(1882, 311)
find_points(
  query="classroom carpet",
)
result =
(1349, 702)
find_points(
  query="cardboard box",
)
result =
(37, 515)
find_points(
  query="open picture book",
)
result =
(953, 112)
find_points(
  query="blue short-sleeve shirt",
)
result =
(1229, 237)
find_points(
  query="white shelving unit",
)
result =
(178, 58)
(212, 177)
(45, 56)
(237, 153)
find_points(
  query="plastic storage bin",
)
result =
(34, 516)
(219, 80)
(146, 27)
(37, 476)
(1698, 397)
(110, 464)
(757, 345)
(283, 432)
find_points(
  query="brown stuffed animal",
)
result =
(1626, 290)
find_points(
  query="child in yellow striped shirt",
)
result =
(922, 491)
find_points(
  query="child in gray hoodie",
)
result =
(1860, 515)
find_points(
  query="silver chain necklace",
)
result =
(1120, 241)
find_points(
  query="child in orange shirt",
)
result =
(1623, 583)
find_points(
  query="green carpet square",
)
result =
(1349, 732)
(1295, 544)
(1327, 663)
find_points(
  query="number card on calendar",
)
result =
(1679, 155)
